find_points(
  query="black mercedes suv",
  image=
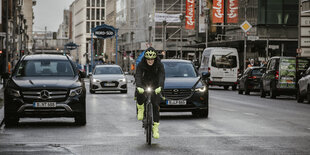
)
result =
(45, 85)
(180, 78)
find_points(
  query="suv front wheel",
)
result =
(80, 118)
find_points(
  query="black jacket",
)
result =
(153, 76)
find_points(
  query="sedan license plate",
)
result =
(176, 102)
(109, 84)
(44, 104)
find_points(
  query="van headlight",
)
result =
(201, 89)
(76, 91)
(14, 92)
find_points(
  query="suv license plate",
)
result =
(109, 84)
(44, 104)
(176, 102)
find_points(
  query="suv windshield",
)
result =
(107, 70)
(29, 68)
(179, 69)
(224, 61)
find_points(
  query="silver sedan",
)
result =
(107, 78)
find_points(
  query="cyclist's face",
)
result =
(150, 62)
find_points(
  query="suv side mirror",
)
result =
(6, 75)
(263, 70)
(205, 75)
(82, 74)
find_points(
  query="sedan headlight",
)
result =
(96, 80)
(122, 80)
(76, 91)
(14, 92)
(201, 89)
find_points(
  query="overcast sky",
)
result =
(49, 13)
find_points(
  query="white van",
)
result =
(223, 65)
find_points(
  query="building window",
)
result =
(92, 14)
(88, 27)
(97, 14)
(98, 3)
(92, 24)
(278, 12)
(88, 14)
(88, 3)
(102, 14)
(93, 2)
(97, 23)
(102, 3)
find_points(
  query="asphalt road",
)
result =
(237, 124)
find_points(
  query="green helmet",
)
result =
(150, 54)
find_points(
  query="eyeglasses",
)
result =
(149, 59)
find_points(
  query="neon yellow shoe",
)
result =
(155, 130)
(140, 111)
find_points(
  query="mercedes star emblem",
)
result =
(44, 94)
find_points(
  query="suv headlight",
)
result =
(76, 91)
(14, 92)
(201, 89)
(96, 80)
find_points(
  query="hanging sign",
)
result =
(218, 11)
(104, 31)
(190, 15)
(232, 11)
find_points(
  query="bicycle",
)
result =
(148, 119)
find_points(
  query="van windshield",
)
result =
(179, 69)
(224, 61)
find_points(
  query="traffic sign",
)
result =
(246, 26)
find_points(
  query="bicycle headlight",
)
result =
(201, 89)
(96, 80)
(76, 91)
(14, 92)
(148, 89)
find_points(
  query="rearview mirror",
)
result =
(205, 75)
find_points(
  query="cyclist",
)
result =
(150, 73)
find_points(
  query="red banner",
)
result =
(232, 11)
(218, 11)
(190, 15)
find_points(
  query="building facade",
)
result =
(109, 48)
(84, 16)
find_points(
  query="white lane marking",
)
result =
(250, 114)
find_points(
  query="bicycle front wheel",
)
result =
(149, 124)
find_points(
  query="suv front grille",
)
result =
(176, 94)
(44, 95)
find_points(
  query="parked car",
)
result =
(223, 65)
(249, 80)
(180, 77)
(303, 87)
(303, 78)
(45, 85)
(279, 78)
(107, 78)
